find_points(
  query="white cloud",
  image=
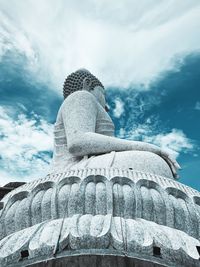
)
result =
(119, 108)
(197, 105)
(24, 146)
(6, 178)
(136, 131)
(174, 142)
(123, 42)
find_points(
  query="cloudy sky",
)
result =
(146, 53)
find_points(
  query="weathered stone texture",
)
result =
(132, 214)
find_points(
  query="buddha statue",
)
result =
(106, 202)
(84, 134)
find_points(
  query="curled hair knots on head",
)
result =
(74, 82)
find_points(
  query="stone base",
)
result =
(95, 258)
(151, 219)
(87, 234)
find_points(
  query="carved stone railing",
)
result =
(131, 212)
(119, 196)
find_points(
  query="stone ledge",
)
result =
(109, 173)
(87, 232)
(95, 258)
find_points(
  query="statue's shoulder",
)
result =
(80, 98)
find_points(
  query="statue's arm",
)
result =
(79, 113)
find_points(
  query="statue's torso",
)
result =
(62, 159)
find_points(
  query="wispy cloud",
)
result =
(197, 105)
(174, 142)
(25, 145)
(124, 42)
(119, 108)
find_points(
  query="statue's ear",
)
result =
(87, 82)
(107, 108)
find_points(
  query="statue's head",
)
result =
(82, 79)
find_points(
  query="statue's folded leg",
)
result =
(142, 161)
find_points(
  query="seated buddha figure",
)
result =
(84, 134)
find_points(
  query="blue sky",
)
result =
(146, 53)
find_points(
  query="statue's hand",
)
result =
(162, 153)
(172, 162)
(167, 156)
(169, 159)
